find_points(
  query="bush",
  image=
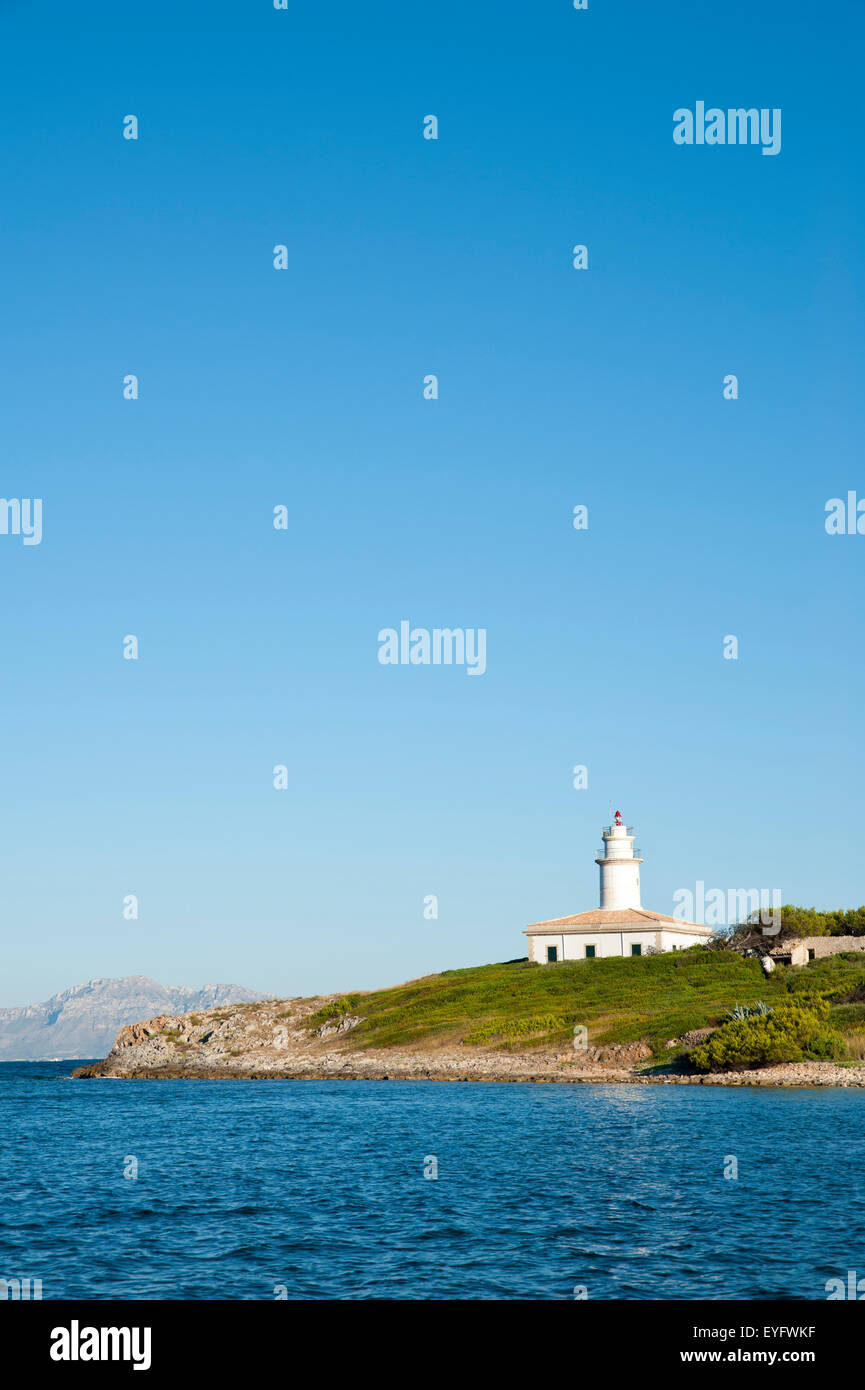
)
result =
(789, 1033)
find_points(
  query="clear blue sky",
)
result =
(304, 387)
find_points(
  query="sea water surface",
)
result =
(317, 1189)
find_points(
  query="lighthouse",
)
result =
(620, 864)
(621, 926)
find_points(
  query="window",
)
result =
(590, 953)
(636, 949)
(552, 954)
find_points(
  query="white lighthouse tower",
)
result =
(620, 867)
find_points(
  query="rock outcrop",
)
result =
(691, 1039)
(615, 1055)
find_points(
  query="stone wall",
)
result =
(799, 950)
(832, 945)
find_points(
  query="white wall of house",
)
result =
(679, 940)
(572, 945)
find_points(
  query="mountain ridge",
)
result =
(83, 1020)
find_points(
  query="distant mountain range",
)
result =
(84, 1020)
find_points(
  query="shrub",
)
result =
(788, 1033)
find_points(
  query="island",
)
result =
(698, 1016)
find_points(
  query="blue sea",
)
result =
(319, 1189)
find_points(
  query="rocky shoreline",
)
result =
(274, 1040)
(793, 1074)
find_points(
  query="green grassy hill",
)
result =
(516, 1005)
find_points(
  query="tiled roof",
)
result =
(613, 919)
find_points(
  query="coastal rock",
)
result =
(693, 1038)
(616, 1055)
(136, 1033)
(342, 1025)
